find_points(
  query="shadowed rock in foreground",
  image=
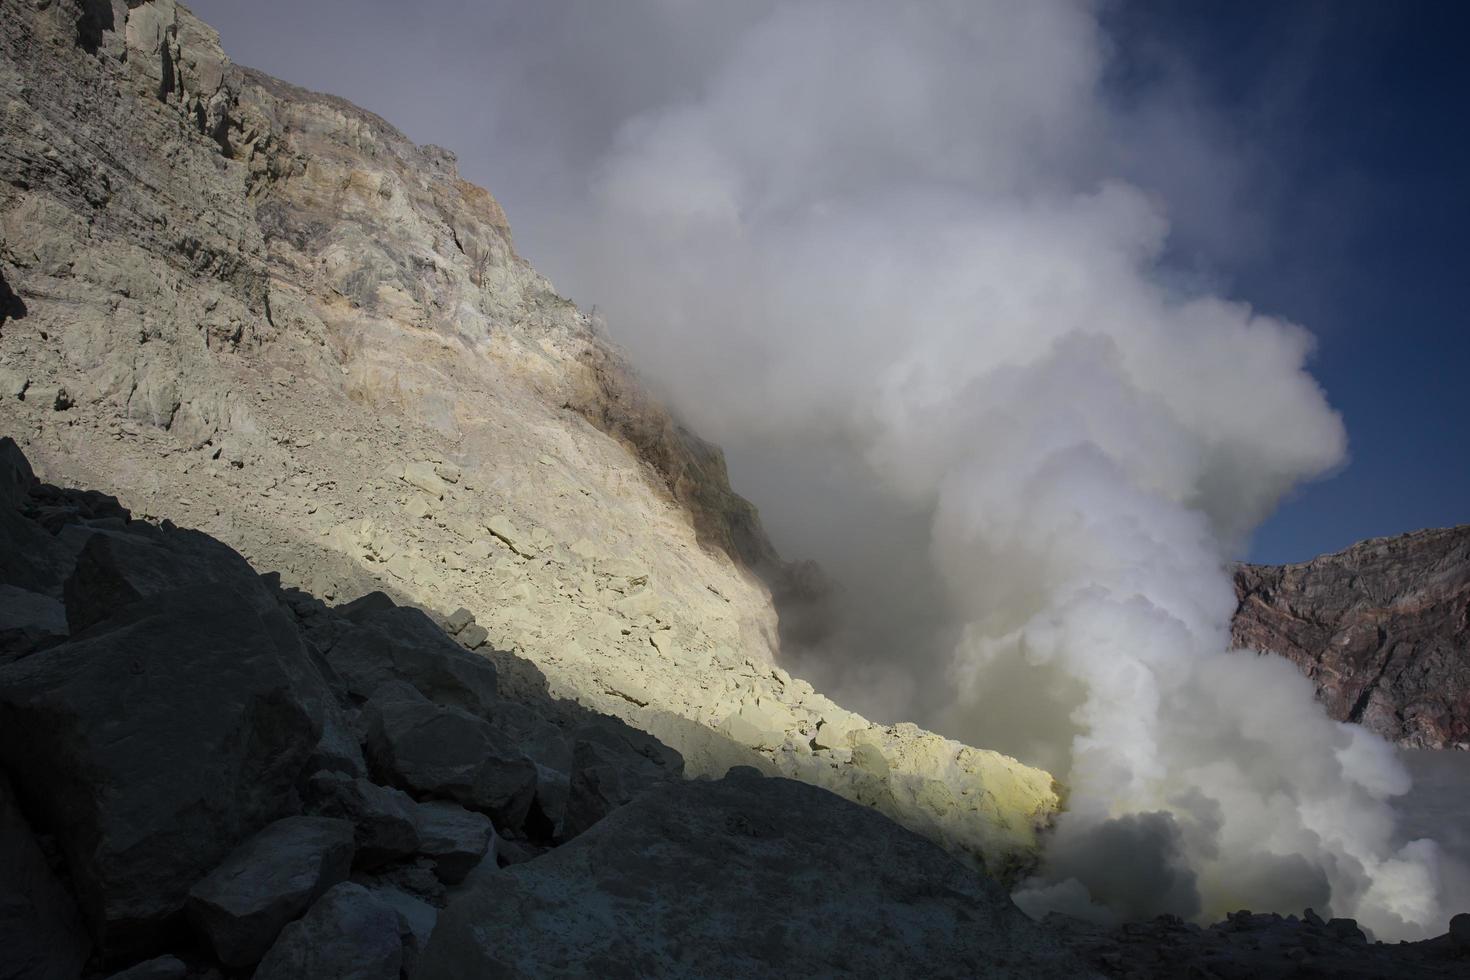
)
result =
(1382, 629)
(1262, 947)
(743, 877)
(201, 771)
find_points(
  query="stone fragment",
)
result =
(241, 906)
(448, 472)
(383, 818)
(454, 838)
(422, 475)
(349, 934)
(442, 751)
(365, 606)
(401, 643)
(458, 619)
(836, 728)
(501, 527)
(419, 507)
(761, 726)
(13, 384)
(474, 636)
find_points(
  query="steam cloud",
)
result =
(908, 262)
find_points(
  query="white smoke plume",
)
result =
(908, 262)
(913, 236)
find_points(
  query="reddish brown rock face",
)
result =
(1382, 629)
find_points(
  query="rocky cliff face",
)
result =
(1382, 629)
(266, 314)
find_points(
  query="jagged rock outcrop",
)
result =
(266, 313)
(1382, 629)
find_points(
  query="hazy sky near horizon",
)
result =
(1323, 179)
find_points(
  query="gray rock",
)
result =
(13, 384)
(27, 618)
(153, 745)
(1460, 932)
(158, 968)
(454, 838)
(612, 764)
(404, 644)
(459, 619)
(16, 476)
(441, 751)
(41, 933)
(384, 818)
(744, 878)
(416, 920)
(366, 605)
(349, 934)
(474, 636)
(114, 571)
(241, 906)
(30, 558)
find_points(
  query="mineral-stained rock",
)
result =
(241, 906)
(383, 818)
(153, 744)
(1381, 628)
(442, 751)
(41, 932)
(454, 838)
(349, 934)
(741, 878)
(401, 643)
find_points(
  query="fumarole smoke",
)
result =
(921, 249)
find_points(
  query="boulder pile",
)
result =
(204, 774)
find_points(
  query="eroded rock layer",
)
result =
(1382, 629)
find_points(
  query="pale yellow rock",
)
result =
(502, 528)
(423, 476)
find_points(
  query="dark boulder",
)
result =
(241, 906)
(152, 745)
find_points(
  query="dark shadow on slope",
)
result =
(12, 307)
(95, 19)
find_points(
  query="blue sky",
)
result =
(1360, 110)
